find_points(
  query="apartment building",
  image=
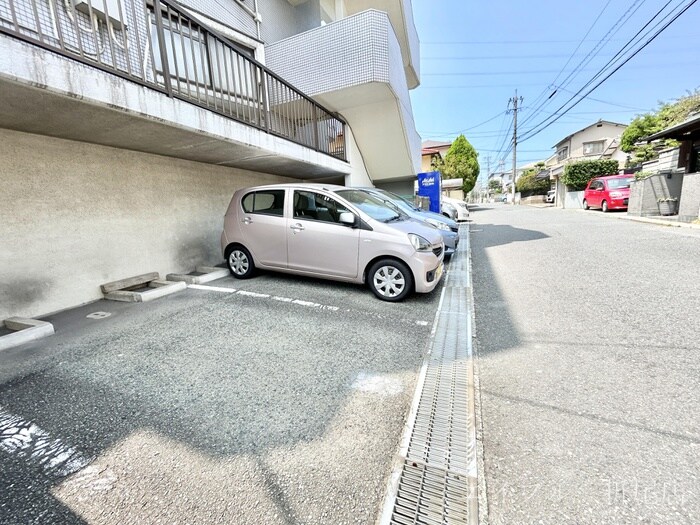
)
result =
(126, 125)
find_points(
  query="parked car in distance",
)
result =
(610, 192)
(461, 209)
(331, 232)
(550, 196)
(448, 228)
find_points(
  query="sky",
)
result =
(475, 54)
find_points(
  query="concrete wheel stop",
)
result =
(141, 288)
(24, 330)
(201, 275)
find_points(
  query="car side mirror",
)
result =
(347, 217)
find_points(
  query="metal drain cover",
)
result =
(437, 482)
(98, 315)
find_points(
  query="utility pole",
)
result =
(515, 101)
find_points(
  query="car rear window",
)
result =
(268, 202)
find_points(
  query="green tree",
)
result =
(527, 183)
(667, 115)
(495, 185)
(460, 162)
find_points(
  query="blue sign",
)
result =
(429, 185)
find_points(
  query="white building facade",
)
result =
(126, 125)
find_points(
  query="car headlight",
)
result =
(419, 243)
(438, 224)
(616, 194)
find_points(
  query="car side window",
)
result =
(314, 206)
(266, 202)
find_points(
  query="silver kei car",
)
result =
(448, 228)
(331, 232)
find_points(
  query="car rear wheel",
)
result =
(585, 205)
(605, 206)
(390, 280)
(240, 263)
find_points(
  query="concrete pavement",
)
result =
(587, 336)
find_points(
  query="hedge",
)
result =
(577, 174)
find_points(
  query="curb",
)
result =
(25, 330)
(209, 273)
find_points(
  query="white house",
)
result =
(599, 140)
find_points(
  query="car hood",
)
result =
(429, 233)
(437, 217)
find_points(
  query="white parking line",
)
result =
(30, 442)
(257, 295)
(298, 302)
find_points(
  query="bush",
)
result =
(577, 174)
(528, 185)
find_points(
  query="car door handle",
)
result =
(297, 227)
(247, 220)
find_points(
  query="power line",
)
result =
(491, 42)
(619, 23)
(663, 64)
(557, 115)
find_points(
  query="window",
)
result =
(186, 50)
(316, 206)
(268, 202)
(594, 148)
(563, 153)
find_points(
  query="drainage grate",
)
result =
(437, 479)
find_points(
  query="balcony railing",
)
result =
(156, 43)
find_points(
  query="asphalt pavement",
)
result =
(588, 344)
(276, 400)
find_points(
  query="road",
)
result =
(588, 342)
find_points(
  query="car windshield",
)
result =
(372, 206)
(616, 184)
(399, 201)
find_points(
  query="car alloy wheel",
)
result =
(605, 206)
(585, 205)
(390, 280)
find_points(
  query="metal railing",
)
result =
(157, 44)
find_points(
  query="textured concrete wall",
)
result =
(644, 194)
(689, 205)
(75, 215)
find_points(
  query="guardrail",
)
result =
(159, 45)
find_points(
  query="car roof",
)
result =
(297, 185)
(628, 175)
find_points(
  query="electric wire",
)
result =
(663, 24)
(595, 51)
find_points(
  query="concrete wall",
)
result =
(75, 215)
(573, 200)
(644, 194)
(689, 205)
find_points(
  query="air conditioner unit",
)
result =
(103, 9)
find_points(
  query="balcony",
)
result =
(146, 75)
(400, 14)
(354, 66)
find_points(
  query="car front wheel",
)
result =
(390, 280)
(240, 263)
(585, 205)
(605, 206)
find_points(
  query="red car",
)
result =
(611, 192)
